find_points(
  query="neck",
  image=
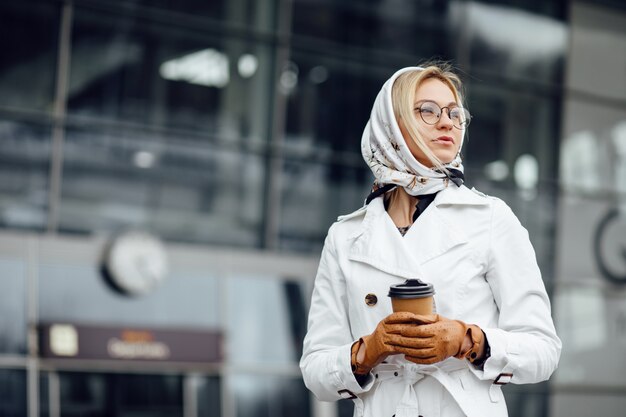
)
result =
(401, 207)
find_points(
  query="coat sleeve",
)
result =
(525, 343)
(325, 361)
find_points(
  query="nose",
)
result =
(445, 122)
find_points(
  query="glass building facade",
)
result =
(231, 130)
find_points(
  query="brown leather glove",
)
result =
(436, 338)
(384, 341)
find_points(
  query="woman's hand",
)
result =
(386, 340)
(422, 339)
(435, 338)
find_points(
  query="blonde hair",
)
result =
(403, 99)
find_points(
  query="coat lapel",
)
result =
(378, 243)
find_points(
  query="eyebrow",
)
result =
(433, 101)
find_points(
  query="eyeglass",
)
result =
(431, 113)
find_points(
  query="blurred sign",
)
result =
(66, 340)
(610, 246)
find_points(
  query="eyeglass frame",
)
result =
(469, 115)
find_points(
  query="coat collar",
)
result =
(461, 196)
(378, 243)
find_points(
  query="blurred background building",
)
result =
(229, 130)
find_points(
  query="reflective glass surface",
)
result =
(530, 44)
(592, 325)
(269, 396)
(590, 302)
(259, 14)
(137, 70)
(595, 65)
(508, 123)
(187, 299)
(313, 198)
(44, 397)
(592, 223)
(12, 306)
(588, 403)
(529, 400)
(594, 143)
(255, 302)
(208, 396)
(181, 189)
(324, 173)
(28, 40)
(101, 395)
(329, 103)
(24, 168)
(405, 30)
(12, 393)
(392, 26)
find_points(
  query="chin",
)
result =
(447, 158)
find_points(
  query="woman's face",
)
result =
(442, 138)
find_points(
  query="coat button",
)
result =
(371, 299)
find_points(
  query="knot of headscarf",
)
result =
(388, 156)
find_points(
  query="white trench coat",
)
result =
(477, 255)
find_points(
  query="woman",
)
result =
(493, 323)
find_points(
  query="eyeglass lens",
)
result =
(431, 113)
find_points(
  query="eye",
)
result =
(429, 109)
(460, 116)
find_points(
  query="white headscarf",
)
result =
(388, 156)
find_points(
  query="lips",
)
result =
(445, 139)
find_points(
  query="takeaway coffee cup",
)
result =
(414, 296)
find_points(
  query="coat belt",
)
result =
(413, 373)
